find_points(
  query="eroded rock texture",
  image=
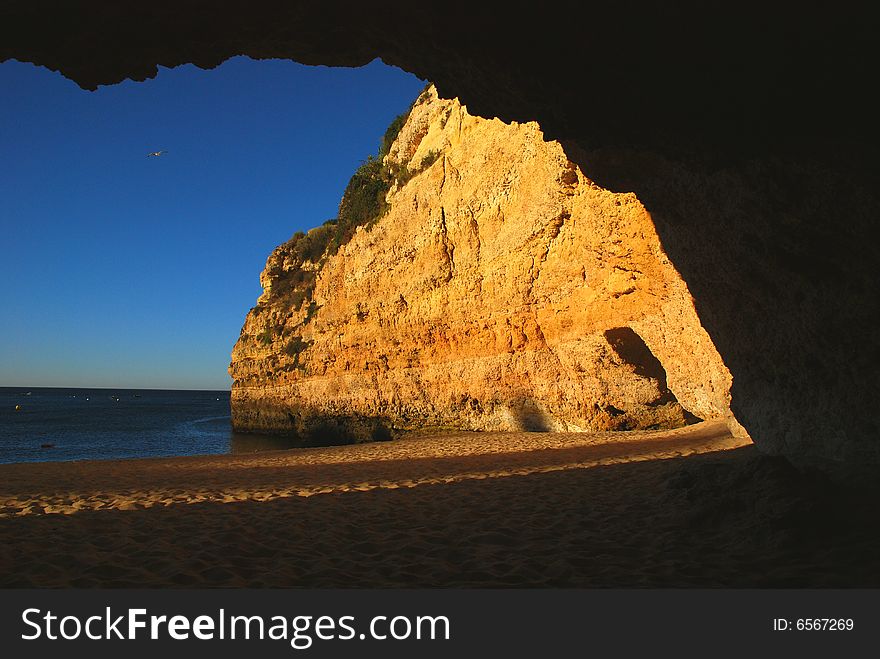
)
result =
(501, 290)
(748, 130)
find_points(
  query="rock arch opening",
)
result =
(633, 350)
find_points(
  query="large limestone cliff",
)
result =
(500, 289)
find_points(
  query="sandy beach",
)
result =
(688, 507)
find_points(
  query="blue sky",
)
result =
(119, 270)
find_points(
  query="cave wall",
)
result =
(748, 131)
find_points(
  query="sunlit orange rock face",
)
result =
(502, 289)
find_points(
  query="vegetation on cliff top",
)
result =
(362, 204)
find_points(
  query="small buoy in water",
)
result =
(47, 445)
(17, 408)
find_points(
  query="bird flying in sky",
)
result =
(156, 154)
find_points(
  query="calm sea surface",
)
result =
(98, 424)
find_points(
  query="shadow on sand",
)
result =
(726, 519)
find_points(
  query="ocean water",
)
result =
(98, 424)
